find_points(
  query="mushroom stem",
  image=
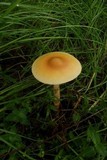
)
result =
(56, 90)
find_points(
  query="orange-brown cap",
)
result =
(56, 68)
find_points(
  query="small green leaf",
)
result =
(41, 153)
(18, 115)
(93, 135)
(76, 117)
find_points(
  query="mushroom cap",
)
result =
(56, 68)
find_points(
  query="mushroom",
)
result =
(56, 68)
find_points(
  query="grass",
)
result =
(29, 126)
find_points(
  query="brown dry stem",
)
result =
(56, 90)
